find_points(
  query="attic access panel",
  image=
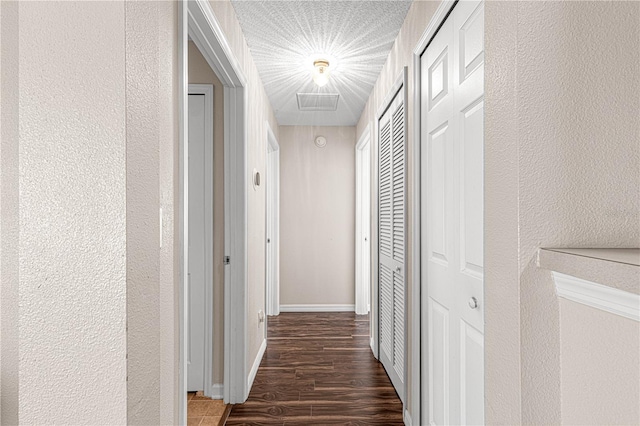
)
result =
(317, 101)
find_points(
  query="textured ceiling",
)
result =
(284, 36)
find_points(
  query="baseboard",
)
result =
(317, 308)
(256, 365)
(217, 391)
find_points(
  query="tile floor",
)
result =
(202, 411)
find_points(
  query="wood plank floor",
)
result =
(318, 370)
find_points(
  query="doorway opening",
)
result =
(273, 224)
(200, 281)
(198, 24)
(363, 224)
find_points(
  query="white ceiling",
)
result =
(283, 36)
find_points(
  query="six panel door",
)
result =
(452, 140)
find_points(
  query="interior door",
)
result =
(196, 282)
(452, 107)
(366, 223)
(272, 183)
(391, 268)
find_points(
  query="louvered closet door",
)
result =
(392, 241)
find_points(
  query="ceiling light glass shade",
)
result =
(321, 72)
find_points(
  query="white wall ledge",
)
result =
(605, 279)
(615, 268)
(598, 296)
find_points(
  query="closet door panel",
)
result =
(392, 247)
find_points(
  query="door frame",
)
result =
(207, 91)
(420, 413)
(273, 216)
(361, 292)
(400, 85)
(197, 21)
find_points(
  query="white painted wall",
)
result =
(502, 343)
(72, 222)
(317, 216)
(91, 162)
(562, 160)
(259, 111)
(151, 38)
(9, 205)
(600, 367)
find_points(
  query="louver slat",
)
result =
(386, 311)
(386, 206)
(398, 324)
(398, 184)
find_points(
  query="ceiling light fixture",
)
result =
(321, 72)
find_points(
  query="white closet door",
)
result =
(452, 216)
(197, 241)
(392, 241)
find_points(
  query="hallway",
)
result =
(238, 199)
(318, 369)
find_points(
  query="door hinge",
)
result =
(227, 260)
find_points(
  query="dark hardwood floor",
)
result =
(318, 370)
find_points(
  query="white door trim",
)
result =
(273, 180)
(362, 302)
(197, 21)
(418, 414)
(207, 91)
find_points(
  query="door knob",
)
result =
(398, 269)
(473, 303)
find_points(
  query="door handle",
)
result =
(398, 269)
(473, 303)
(268, 240)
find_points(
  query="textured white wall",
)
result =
(259, 112)
(600, 367)
(503, 403)
(168, 124)
(9, 213)
(565, 74)
(317, 216)
(151, 39)
(94, 153)
(72, 247)
(401, 55)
